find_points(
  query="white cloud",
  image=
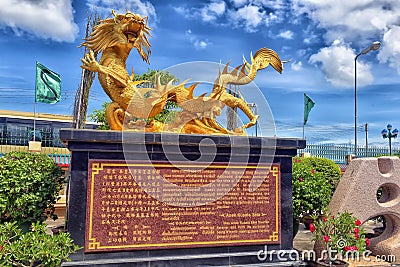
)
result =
(239, 3)
(212, 11)
(196, 41)
(390, 52)
(296, 66)
(50, 19)
(251, 16)
(104, 7)
(337, 64)
(248, 15)
(286, 34)
(356, 20)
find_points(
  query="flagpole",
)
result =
(34, 108)
(304, 114)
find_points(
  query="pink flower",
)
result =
(358, 222)
(297, 160)
(367, 242)
(326, 238)
(301, 179)
(312, 171)
(312, 228)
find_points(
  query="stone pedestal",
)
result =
(123, 210)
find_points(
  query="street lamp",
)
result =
(389, 134)
(374, 46)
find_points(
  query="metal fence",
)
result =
(21, 135)
(338, 153)
(16, 138)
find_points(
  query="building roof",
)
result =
(39, 116)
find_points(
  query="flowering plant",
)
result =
(313, 182)
(341, 234)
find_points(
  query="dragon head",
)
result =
(128, 30)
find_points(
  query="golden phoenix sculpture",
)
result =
(133, 105)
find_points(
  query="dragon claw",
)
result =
(90, 62)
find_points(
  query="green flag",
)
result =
(48, 85)
(308, 105)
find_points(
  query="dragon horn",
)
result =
(244, 60)
(168, 87)
(247, 68)
(132, 74)
(191, 90)
(202, 95)
(225, 71)
(242, 70)
(235, 71)
(158, 82)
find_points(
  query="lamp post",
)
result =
(389, 134)
(374, 46)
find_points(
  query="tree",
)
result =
(87, 78)
(150, 76)
(99, 116)
(169, 111)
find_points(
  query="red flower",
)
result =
(358, 222)
(356, 231)
(325, 219)
(326, 238)
(301, 179)
(367, 242)
(352, 248)
(357, 236)
(312, 171)
(312, 228)
(297, 160)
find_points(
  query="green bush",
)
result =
(314, 181)
(29, 187)
(33, 248)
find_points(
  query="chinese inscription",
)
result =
(122, 213)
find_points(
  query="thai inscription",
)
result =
(126, 212)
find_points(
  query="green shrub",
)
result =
(314, 181)
(33, 248)
(29, 186)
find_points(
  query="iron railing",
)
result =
(338, 153)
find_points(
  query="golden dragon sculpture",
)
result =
(116, 37)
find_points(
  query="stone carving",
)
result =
(357, 194)
(133, 105)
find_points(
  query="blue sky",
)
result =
(321, 38)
